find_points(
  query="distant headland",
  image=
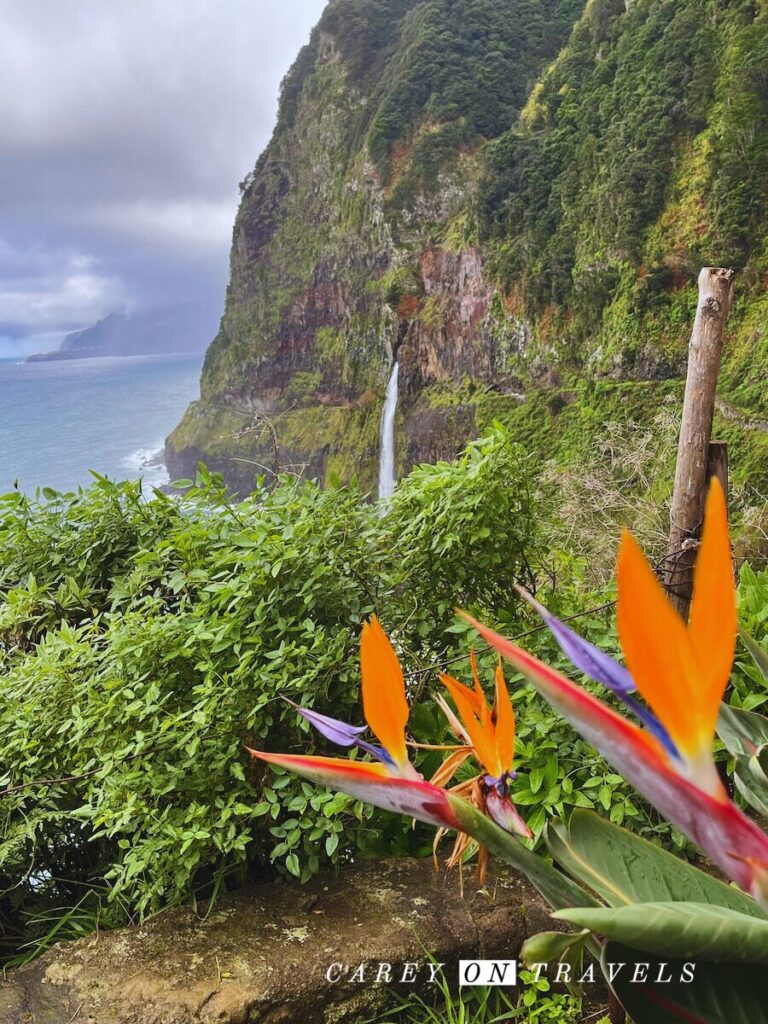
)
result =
(182, 328)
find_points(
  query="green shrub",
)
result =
(143, 644)
(139, 696)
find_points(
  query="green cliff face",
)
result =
(513, 197)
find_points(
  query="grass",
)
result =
(533, 1002)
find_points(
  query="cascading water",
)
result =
(387, 439)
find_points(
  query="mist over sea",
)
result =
(60, 419)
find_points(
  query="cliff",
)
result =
(510, 198)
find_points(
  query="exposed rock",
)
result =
(342, 259)
(492, 193)
(262, 955)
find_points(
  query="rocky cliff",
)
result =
(511, 198)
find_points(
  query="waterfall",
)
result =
(387, 443)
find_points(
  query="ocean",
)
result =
(58, 420)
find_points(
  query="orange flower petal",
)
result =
(450, 766)
(384, 704)
(482, 710)
(505, 723)
(469, 696)
(455, 724)
(712, 626)
(659, 654)
(481, 736)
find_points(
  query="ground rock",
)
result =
(261, 956)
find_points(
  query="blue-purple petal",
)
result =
(340, 733)
(652, 724)
(585, 656)
(603, 669)
(378, 752)
(500, 783)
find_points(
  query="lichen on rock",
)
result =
(264, 953)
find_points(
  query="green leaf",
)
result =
(684, 930)
(741, 731)
(717, 994)
(758, 765)
(750, 785)
(535, 779)
(623, 869)
(548, 946)
(745, 734)
(556, 888)
(760, 656)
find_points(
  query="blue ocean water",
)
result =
(60, 419)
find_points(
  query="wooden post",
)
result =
(717, 464)
(715, 297)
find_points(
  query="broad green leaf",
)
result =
(741, 731)
(745, 734)
(751, 787)
(535, 779)
(623, 869)
(758, 765)
(556, 888)
(759, 655)
(684, 930)
(717, 994)
(548, 946)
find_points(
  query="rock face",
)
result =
(263, 955)
(497, 193)
(352, 245)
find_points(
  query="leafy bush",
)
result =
(143, 643)
(750, 683)
(461, 531)
(137, 697)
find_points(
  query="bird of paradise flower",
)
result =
(680, 670)
(393, 783)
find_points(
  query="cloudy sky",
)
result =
(124, 131)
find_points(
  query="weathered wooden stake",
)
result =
(717, 464)
(715, 297)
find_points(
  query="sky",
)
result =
(125, 129)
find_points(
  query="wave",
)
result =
(149, 464)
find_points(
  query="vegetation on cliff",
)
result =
(516, 195)
(641, 156)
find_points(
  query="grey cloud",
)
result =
(124, 132)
